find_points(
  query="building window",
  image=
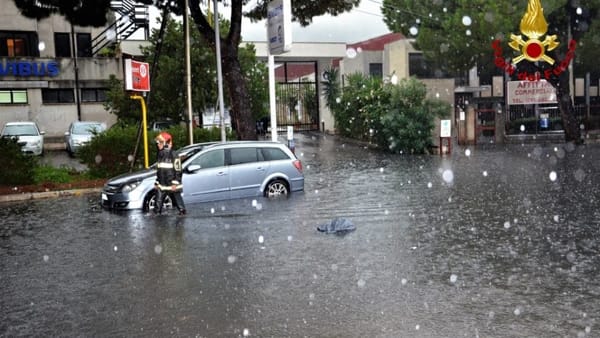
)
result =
(93, 94)
(13, 96)
(62, 45)
(58, 95)
(15, 44)
(376, 69)
(423, 69)
(84, 44)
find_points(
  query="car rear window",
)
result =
(273, 154)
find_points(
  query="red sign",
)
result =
(137, 76)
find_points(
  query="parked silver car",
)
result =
(80, 133)
(29, 136)
(213, 172)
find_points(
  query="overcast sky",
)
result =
(363, 23)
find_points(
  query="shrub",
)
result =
(17, 168)
(111, 153)
(409, 121)
(395, 117)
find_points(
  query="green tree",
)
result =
(93, 12)
(458, 35)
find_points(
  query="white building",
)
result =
(53, 73)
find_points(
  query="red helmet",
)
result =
(164, 137)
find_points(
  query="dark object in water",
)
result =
(337, 226)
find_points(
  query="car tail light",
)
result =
(298, 165)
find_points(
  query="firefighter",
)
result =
(168, 174)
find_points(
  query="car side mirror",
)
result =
(193, 168)
(67, 133)
(42, 132)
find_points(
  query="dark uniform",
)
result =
(168, 175)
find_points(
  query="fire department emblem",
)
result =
(534, 27)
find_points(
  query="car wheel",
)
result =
(150, 202)
(276, 188)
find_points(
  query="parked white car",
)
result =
(29, 136)
(80, 133)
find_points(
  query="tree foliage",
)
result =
(459, 34)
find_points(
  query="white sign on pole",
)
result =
(530, 92)
(445, 128)
(279, 26)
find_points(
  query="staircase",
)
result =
(130, 17)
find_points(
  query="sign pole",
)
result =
(144, 127)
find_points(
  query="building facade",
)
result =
(54, 73)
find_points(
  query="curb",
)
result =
(47, 194)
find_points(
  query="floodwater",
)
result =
(495, 241)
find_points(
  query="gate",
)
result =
(297, 100)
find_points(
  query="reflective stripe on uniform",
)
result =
(169, 187)
(165, 165)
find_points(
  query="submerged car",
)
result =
(213, 172)
(80, 133)
(28, 136)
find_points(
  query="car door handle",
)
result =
(221, 173)
(260, 169)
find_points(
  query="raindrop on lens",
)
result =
(466, 20)
(231, 259)
(552, 176)
(130, 158)
(429, 185)
(506, 225)
(111, 35)
(98, 159)
(261, 239)
(448, 176)
(485, 173)
(522, 128)
(413, 30)
(41, 46)
(468, 152)
(46, 258)
(351, 53)
(158, 249)
(453, 278)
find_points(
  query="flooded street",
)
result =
(495, 241)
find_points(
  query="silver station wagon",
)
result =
(213, 172)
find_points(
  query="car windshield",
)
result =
(20, 130)
(86, 128)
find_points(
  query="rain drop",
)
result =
(351, 53)
(231, 259)
(41, 46)
(522, 128)
(380, 170)
(261, 239)
(448, 176)
(429, 185)
(158, 249)
(552, 176)
(413, 30)
(361, 283)
(485, 173)
(453, 278)
(46, 258)
(212, 210)
(506, 225)
(246, 333)
(115, 248)
(466, 20)
(468, 152)
(404, 281)
(556, 218)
